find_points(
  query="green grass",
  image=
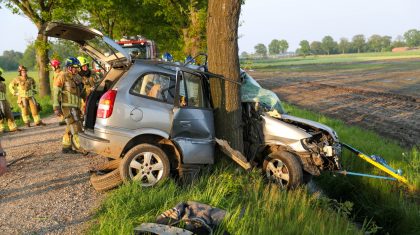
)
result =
(253, 206)
(342, 60)
(45, 102)
(388, 203)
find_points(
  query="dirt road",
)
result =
(47, 192)
(385, 99)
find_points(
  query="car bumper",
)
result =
(103, 143)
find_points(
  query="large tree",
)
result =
(344, 45)
(375, 43)
(359, 42)
(274, 47)
(412, 37)
(283, 46)
(261, 49)
(305, 48)
(222, 43)
(41, 12)
(328, 44)
(316, 47)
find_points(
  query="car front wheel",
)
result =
(146, 164)
(284, 169)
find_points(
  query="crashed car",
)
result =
(156, 117)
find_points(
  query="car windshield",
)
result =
(137, 51)
(251, 91)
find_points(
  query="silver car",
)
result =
(157, 118)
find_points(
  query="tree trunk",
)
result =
(222, 43)
(41, 46)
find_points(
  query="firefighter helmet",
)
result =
(72, 62)
(55, 63)
(82, 60)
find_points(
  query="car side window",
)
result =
(191, 92)
(157, 86)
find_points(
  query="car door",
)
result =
(192, 125)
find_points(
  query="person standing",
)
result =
(87, 80)
(55, 64)
(66, 102)
(26, 89)
(5, 111)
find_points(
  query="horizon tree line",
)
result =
(358, 44)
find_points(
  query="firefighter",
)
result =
(55, 64)
(66, 102)
(87, 79)
(25, 91)
(5, 111)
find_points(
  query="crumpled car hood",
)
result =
(311, 123)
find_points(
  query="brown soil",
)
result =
(45, 192)
(386, 101)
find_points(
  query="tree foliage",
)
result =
(328, 44)
(412, 37)
(305, 48)
(359, 42)
(10, 60)
(284, 45)
(344, 45)
(316, 47)
(261, 50)
(274, 47)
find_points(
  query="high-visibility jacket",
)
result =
(2, 91)
(25, 86)
(67, 90)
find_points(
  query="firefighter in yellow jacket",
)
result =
(24, 87)
(5, 111)
(87, 80)
(55, 64)
(66, 102)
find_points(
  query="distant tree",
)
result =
(316, 47)
(412, 37)
(358, 42)
(244, 55)
(274, 47)
(41, 12)
(304, 49)
(62, 49)
(284, 45)
(328, 44)
(398, 42)
(28, 58)
(344, 45)
(261, 49)
(10, 60)
(386, 43)
(374, 43)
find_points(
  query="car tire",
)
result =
(107, 181)
(146, 164)
(110, 165)
(284, 169)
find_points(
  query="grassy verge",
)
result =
(253, 206)
(256, 208)
(388, 204)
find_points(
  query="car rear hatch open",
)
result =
(91, 41)
(102, 49)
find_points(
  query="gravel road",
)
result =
(46, 192)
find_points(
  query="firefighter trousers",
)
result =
(7, 116)
(27, 105)
(73, 127)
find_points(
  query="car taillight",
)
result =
(106, 104)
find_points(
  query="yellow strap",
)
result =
(388, 171)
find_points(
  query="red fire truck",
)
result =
(139, 47)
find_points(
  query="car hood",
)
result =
(311, 123)
(91, 41)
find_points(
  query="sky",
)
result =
(293, 20)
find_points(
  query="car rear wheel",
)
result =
(146, 164)
(284, 169)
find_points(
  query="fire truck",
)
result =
(139, 47)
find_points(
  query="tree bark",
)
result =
(222, 42)
(41, 46)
